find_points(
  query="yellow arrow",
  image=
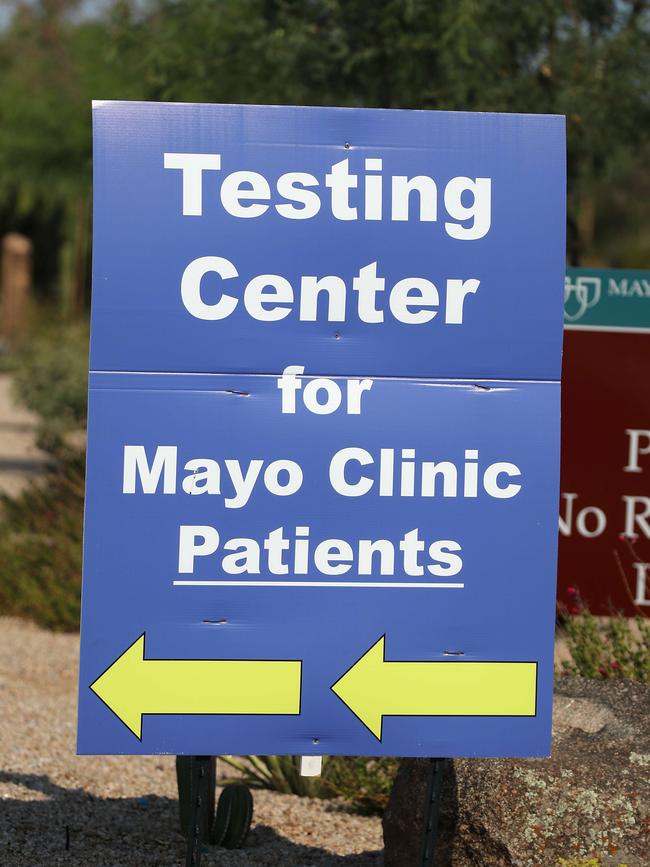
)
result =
(133, 686)
(374, 688)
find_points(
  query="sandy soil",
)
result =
(121, 811)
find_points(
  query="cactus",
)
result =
(233, 819)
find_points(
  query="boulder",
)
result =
(587, 805)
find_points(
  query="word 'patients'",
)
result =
(323, 452)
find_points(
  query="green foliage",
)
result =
(589, 61)
(363, 782)
(40, 547)
(280, 773)
(51, 378)
(7, 362)
(41, 529)
(613, 649)
(51, 69)
(51, 66)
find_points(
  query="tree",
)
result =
(586, 59)
(50, 68)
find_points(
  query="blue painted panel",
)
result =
(503, 611)
(143, 241)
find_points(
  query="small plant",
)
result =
(613, 649)
(361, 781)
(280, 773)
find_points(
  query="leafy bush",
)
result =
(608, 650)
(51, 378)
(40, 547)
(361, 781)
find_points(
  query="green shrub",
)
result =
(361, 781)
(280, 773)
(608, 650)
(51, 379)
(7, 361)
(40, 547)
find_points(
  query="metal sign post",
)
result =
(201, 806)
(432, 811)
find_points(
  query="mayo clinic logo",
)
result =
(579, 296)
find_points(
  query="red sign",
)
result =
(604, 550)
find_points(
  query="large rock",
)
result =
(590, 800)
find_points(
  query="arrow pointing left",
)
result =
(374, 688)
(133, 686)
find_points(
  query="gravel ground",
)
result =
(121, 811)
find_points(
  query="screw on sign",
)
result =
(324, 417)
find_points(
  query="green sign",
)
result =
(598, 299)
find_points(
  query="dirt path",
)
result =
(20, 460)
(122, 810)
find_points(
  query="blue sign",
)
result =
(323, 451)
